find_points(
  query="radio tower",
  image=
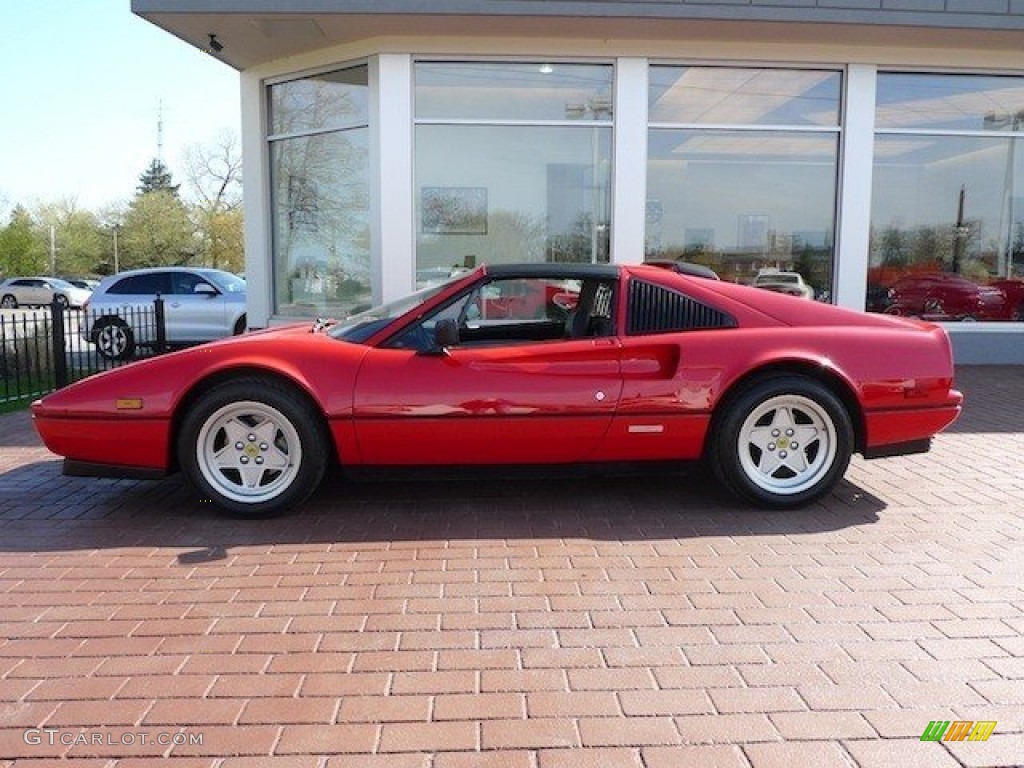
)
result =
(160, 132)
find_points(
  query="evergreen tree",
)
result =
(156, 177)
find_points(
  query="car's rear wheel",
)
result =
(782, 442)
(114, 339)
(254, 446)
(239, 328)
(61, 299)
(9, 302)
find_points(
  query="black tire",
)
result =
(775, 460)
(279, 425)
(62, 300)
(113, 338)
(9, 302)
(239, 326)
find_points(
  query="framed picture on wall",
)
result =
(453, 210)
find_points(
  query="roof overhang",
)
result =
(255, 32)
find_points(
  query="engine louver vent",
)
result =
(653, 309)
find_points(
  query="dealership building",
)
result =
(874, 147)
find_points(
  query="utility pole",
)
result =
(53, 251)
(117, 263)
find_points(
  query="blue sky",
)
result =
(82, 84)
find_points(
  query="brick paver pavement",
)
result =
(522, 623)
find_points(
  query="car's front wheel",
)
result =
(114, 339)
(254, 446)
(9, 302)
(782, 442)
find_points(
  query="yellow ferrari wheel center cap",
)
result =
(783, 443)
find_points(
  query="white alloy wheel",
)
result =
(248, 452)
(787, 444)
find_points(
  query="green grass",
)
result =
(19, 393)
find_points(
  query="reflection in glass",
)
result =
(323, 102)
(744, 96)
(744, 202)
(321, 203)
(947, 227)
(501, 194)
(950, 102)
(502, 91)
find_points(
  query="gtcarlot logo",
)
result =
(53, 736)
(958, 730)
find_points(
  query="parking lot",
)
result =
(522, 622)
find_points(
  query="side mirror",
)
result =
(205, 289)
(446, 333)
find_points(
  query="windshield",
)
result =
(358, 328)
(56, 282)
(227, 282)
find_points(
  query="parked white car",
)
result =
(199, 305)
(39, 291)
(791, 283)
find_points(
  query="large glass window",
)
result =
(319, 165)
(947, 213)
(742, 172)
(513, 163)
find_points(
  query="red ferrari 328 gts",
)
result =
(543, 364)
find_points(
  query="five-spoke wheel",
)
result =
(782, 442)
(114, 339)
(254, 446)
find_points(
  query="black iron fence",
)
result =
(48, 348)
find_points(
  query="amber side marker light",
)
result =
(128, 403)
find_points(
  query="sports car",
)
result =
(538, 364)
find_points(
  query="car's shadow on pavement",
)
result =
(40, 510)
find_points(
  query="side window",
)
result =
(184, 283)
(654, 309)
(512, 311)
(148, 284)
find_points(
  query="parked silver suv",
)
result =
(199, 305)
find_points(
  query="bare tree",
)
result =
(214, 172)
(214, 175)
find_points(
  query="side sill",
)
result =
(76, 468)
(899, 449)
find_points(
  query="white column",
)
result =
(259, 266)
(391, 185)
(858, 142)
(629, 176)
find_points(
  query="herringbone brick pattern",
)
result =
(529, 623)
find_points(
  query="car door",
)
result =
(514, 391)
(193, 316)
(42, 293)
(673, 352)
(22, 291)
